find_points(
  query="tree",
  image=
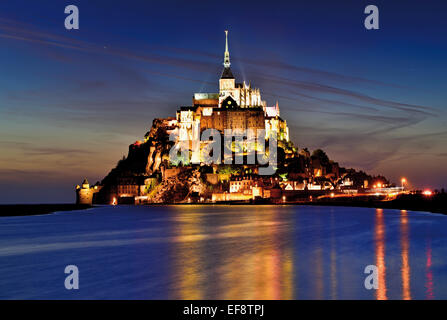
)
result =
(322, 156)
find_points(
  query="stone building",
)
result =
(85, 193)
(237, 106)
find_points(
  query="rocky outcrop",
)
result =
(143, 160)
(179, 188)
(159, 145)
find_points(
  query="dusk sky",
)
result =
(71, 101)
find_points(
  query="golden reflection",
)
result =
(189, 256)
(224, 259)
(379, 239)
(429, 274)
(287, 280)
(405, 245)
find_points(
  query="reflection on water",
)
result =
(189, 261)
(379, 237)
(225, 252)
(277, 254)
(405, 244)
(318, 261)
(429, 273)
(224, 271)
(333, 260)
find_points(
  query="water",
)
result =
(224, 252)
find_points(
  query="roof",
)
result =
(229, 103)
(227, 74)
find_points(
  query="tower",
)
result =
(227, 82)
(227, 53)
(84, 193)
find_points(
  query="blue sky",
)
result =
(72, 101)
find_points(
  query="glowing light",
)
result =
(284, 199)
(374, 186)
(379, 185)
(114, 201)
(379, 246)
(332, 195)
(403, 182)
(392, 194)
(427, 193)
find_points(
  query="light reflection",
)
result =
(405, 246)
(379, 238)
(189, 255)
(318, 261)
(251, 258)
(429, 273)
(287, 279)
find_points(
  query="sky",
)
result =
(71, 101)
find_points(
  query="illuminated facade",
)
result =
(237, 106)
(84, 193)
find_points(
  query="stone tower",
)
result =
(84, 194)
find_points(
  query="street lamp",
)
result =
(403, 182)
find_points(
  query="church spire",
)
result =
(227, 53)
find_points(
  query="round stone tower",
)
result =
(84, 194)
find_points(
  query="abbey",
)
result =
(237, 106)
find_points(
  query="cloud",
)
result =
(321, 74)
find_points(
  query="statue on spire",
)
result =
(227, 53)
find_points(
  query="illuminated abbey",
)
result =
(237, 106)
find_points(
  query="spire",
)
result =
(227, 74)
(227, 53)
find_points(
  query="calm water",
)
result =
(225, 252)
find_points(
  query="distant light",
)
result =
(404, 180)
(392, 194)
(114, 202)
(379, 185)
(374, 186)
(284, 198)
(427, 193)
(332, 195)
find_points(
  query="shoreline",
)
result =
(423, 205)
(412, 203)
(380, 205)
(21, 210)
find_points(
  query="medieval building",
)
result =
(237, 106)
